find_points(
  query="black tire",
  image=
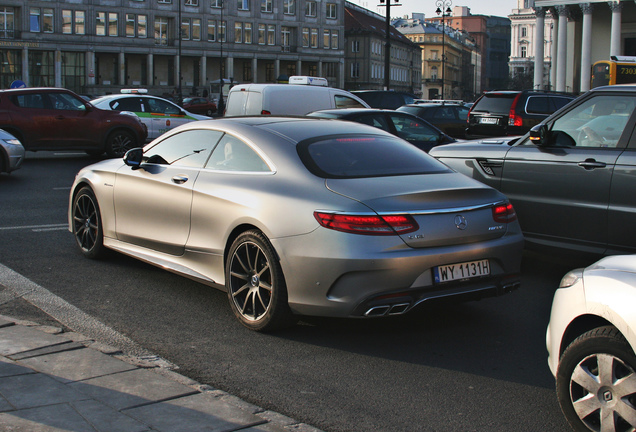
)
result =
(596, 382)
(255, 284)
(87, 224)
(119, 142)
(209, 112)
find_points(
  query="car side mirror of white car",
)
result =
(133, 158)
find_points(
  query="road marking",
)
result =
(37, 228)
(66, 313)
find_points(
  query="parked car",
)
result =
(57, 119)
(383, 99)
(199, 105)
(508, 112)
(416, 131)
(591, 339)
(570, 179)
(241, 199)
(449, 117)
(11, 152)
(301, 96)
(158, 114)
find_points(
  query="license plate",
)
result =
(488, 120)
(465, 270)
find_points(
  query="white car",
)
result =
(11, 152)
(591, 339)
(158, 114)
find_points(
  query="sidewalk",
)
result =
(52, 380)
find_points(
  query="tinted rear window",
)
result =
(499, 103)
(365, 156)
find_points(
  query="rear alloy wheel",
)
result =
(119, 142)
(87, 224)
(255, 284)
(596, 382)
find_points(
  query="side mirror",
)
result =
(133, 158)
(539, 134)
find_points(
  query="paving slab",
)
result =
(77, 365)
(17, 338)
(33, 390)
(203, 411)
(9, 367)
(105, 419)
(131, 388)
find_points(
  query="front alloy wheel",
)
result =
(596, 382)
(119, 142)
(87, 224)
(255, 284)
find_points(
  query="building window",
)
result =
(261, 34)
(196, 29)
(289, 7)
(164, 1)
(100, 24)
(243, 4)
(34, 20)
(334, 39)
(247, 72)
(211, 31)
(216, 3)
(248, 33)
(269, 72)
(355, 46)
(67, 21)
(313, 70)
(238, 32)
(161, 31)
(331, 11)
(355, 70)
(113, 19)
(266, 6)
(142, 26)
(524, 31)
(222, 26)
(47, 20)
(6, 22)
(524, 52)
(185, 29)
(192, 2)
(310, 9)
(271, 34)
(305, 37)
(326, 39)
(314, 38)
(130, 25)
(286, 37)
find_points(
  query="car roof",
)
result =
(37, 89)
(342, 112)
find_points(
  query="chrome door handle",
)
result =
(590, 164)
(179, 179)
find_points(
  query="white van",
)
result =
(301, 96)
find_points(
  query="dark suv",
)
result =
(448, 116)
(510, 112)
(58, 119)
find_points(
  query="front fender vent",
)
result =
(490, 166)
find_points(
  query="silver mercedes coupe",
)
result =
(300, 216)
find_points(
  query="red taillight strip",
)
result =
(513, 119)
(504, 213)
(367, 224)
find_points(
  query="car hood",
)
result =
(623, 263)
(435, 201)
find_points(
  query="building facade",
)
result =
(100, 47)
(451, 62)
(584, 33)
(523, 49)
(365, 34)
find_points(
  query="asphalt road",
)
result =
(478, 366)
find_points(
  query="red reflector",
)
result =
(504, 213)
(265, 112)
(367, 225)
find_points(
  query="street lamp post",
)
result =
(443, 9)
(221, 104)
(387, 43)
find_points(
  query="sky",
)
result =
(501, 8)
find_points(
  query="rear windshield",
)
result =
(495, 103)
(365, 156)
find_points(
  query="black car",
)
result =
(383, 99)
(511, 112)
(418, 132)
(448, 116)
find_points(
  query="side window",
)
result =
(232, 154)
(462, 113)
(559, 102)
(347, 102)
(411, 129)
(190, 148)
(162, 107)
(127, 104)
(538, 105)
(375, 120)
(63, 101)
(445, 113)
(597, 122)
(29, 101)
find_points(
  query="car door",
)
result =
(74, 124)
(561, 189)
(153, 203)
(164, 116)
(622, 207)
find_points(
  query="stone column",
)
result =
(90, 68)
(254, 70)
(203, 72)
(150, 69)
(615, 36)
(539, 44)
(122, 69)
(25, 66)
(562, 48)
(58, 68)
(586, 46)
(553, 49)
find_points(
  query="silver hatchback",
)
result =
(11, 152)
(300, 216)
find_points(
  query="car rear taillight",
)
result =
(513, 118)
(265, 112)
(504, 213)
(367, 224)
